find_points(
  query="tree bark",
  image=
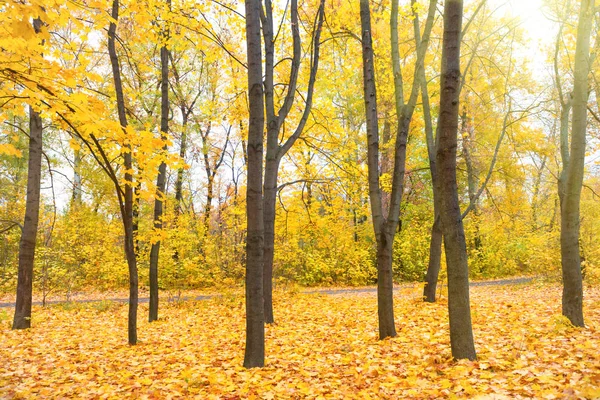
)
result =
(435, 255)
(435, 244)
(255, 318)
(127, 204)
(270, 199)
(385, 293)
(468, 138)
(22, 317)
(386, 223)
(572, 296)
(77, 190)
(275, 151)
(461, 333)
(160, 179)
(182, 152)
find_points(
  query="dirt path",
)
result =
(372, 289)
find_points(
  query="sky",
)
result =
(540, 30)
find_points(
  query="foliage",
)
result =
(526, 350)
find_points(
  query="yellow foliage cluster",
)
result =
(322, 346)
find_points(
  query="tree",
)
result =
(461, 333)
(22, 317)
(573, 167)
(385, 225)
(211, 169)
(275, 121)
(476, 59)
(255, 317)
(125, 193)
(161, 178)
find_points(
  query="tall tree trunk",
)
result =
(461, 333)
(572, 296)
(179, 180)
(435, 244)
(535, 199)
(275, 151)
(210, 177)
(467, 133)
(435, 254)
(254, 355)
(127, 203)
(77, 191)
(180, 170)
(270, 198)
(385, 284)
(22, 317)
(208, 206)
(160, 180)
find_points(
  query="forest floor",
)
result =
(322, 346)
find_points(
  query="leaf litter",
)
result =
(321, 347)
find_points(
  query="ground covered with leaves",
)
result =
(322, 346)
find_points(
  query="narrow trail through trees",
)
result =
(333, 291)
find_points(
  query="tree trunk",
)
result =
(572, 296)
(179, 179)
(461, 333)
(270, 198)
(22, 317)
(77, 191)
(385, 292)
(275, 120)
(435, 244)
(254, 355)
(160, 182)
(182, 151)
(208, 206)
(435, 257)
(468, 138)
(385, 286)
(127, 202)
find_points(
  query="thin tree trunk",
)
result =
(467, 134)
(270, 198)
(127, 206)
(435, 256)
(565, 111)
(210, 176)
(182, 152)
(572, 296)
(385, 288)
(435, 244)
(179, 179)
(566, 102)
(160, 181)
(22, 317)
(208, 206)
(77, 191)
(254, 355)
(275, 151)
(536, 192)
(136, 211)
(461, 333)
